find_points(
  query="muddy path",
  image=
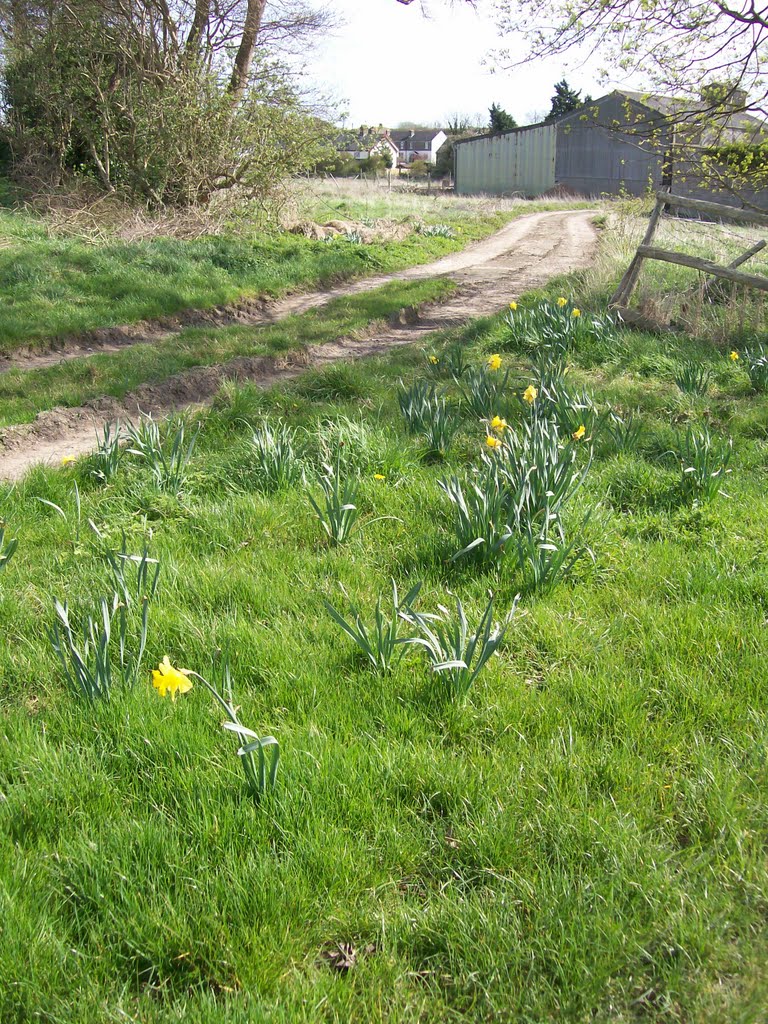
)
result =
(523, 255)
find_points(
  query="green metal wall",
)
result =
(521, 161)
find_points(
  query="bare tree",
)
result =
(677, 46)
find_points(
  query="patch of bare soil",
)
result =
(523, 255)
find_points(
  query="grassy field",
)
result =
(583, 838)
(54, 284)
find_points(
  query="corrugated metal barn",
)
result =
(622, 143)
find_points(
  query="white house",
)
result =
(418, 144)
(367, 142)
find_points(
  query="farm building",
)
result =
(623, 143)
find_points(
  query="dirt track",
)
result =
(523, 255)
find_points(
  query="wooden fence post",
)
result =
(628, 283)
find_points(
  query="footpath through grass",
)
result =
(53, 287)
(25, 393)
(582, 839)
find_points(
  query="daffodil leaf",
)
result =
(240, 730)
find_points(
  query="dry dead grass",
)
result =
(673, 294)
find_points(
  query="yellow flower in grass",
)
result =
(531, 394)
(734, 356)
(493, 442)
(513, 306)
(498, 424)
(379, 476)
(575, 312)
(562, 301)
(578, 434)
(494, 361)
(167, 679)
(68, 460)
(434, 360)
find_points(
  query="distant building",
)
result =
(417, 144)
(623, 143)
(366, 142)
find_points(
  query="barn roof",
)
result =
(721, 123)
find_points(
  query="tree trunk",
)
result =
(244, 57)
(199, 23)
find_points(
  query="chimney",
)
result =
(724, 94)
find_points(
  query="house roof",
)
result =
(419, 138)
(354, 142)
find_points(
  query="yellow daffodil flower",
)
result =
(379, 476)
(562, 301)
(578, 434)
(513, 306)
(493, 442)
(734, 356)
(575, 312)
(498, 424)
(530, 394)
(68, 460)
(494, 361)
(167, 679)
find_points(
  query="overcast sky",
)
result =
(388, 63)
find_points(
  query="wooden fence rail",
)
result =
(646, 251)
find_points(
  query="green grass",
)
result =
(583, 840)
(25, 393)
(53, 287)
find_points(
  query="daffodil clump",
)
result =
(106, 645)
(755, 362)
(550, 329)
(429, 415)
(485, 389)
